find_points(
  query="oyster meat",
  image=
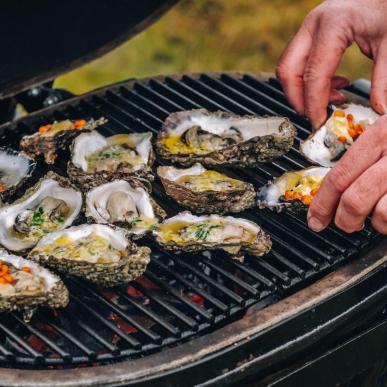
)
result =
(222, 138)
(206, 191)
(123, 204)
(329, 143)
(15, 169)
(96, 159)
(52, 204)
(293, 190)
(58, 135)
(95, 252)
(236, 236)
(24, 285)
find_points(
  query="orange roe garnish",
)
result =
(342, 139)
(80, 124)
(27, 269)
(314, 191)
(350, 117)
(5, 278)
(352, 133)
(8, 278)
(289, 195)
(339, 113)
(297, 195)
(2, 187)
(307, 199)
(44, 128)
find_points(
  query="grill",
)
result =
(181, 295)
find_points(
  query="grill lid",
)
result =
(43, 39)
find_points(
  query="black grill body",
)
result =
(185, 298)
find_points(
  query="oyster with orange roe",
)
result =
(223, 138)
(294, 190)
(50, 138)
(333, 139)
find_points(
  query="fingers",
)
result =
(291, 67)
(365, 152)
(329, 45)
(379, 217)
(338, 82)
(358, 201)
(379, 80)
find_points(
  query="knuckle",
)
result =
(282, 71)
(339, 177)
(380, 216)
(352, 204)
(319, 210)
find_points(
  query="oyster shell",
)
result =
(123, 204)
(58, 135)
(50, 205)
(96, 159)
(294, 190)
(26, 285)
(15, 169)
(206, 191)
(344, 126)
(95, 252)
(222, 138)
(236, 236)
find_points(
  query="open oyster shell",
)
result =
(29, 286)
(205, 191)
(236, 236)
(325, 146)
(294, 190)
(15, 169)
(58, 135)
(49, 205)
(95, 252)
(123, 204)
(96, 159)
(222, 138)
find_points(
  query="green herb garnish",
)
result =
(203, 230)
(38, 217)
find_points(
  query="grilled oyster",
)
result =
(329, 143)
(50, 205)
(24, 285)
(236, 236)
(15, 169)
(95, 252)
(223, 138)
(123, 204)
(293, 190)
(58, 135)
(96, 159)
(202, 190)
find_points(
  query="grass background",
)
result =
(208, 35)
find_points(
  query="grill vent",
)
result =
(180, 295)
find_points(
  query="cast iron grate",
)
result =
(180, 295)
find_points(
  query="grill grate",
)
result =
(180, 295)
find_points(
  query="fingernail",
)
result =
(315, 224)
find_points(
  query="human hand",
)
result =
(307, 67)
(356, 186)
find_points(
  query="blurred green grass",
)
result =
(208, 35)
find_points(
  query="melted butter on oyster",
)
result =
(93, 248)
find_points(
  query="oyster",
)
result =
(58, 135)
(97, 159)
(293, 190)
(24, 285)
(223, 138)
(346, 124)
(96, 252)
(236, 236)
(125, 205)
(202, 190)
(50, 205)
(15, 169)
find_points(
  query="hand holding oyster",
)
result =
(206, 191)
(187, 232)
(51, 137)
(223, 138)
(95, 252)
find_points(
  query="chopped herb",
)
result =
(203, 230)
(59, 219)
(135, 222)
(37, 217)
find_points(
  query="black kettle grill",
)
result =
(312, 312)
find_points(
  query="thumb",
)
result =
(379, 80)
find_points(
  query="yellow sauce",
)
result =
(208, 180)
